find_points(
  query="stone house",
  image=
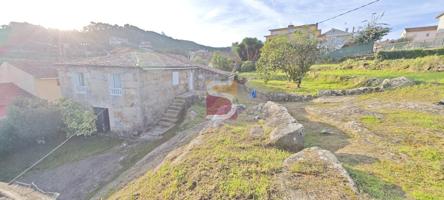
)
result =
(37, 78)
(131, 90)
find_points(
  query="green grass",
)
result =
(227, 165)
(334, 79)
(78, 148)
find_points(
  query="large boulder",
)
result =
(286, 132)
(314, 173)
(397, 83)
(289, 137)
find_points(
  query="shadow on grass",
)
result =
(355, 159)
(374, 186)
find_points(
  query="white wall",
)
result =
(11, 74)
(421, 36)
(441, 24)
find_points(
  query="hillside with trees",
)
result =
(24, 40)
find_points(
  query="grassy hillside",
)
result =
(23, 40)
(228, 164)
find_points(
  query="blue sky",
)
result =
(219, 23)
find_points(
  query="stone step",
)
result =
(173, 107)
(174, 114)
(169, 119)
(180, 98)
(177, 103)
(166, 124)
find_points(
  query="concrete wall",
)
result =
(48, 89)
(441, 24)
(421, 36)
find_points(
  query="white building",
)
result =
(425, 33)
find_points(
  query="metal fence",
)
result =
(392, 46)
(357, 50)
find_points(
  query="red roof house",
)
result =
(8, 93)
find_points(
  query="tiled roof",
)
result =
(9, 92)
(35, 68)
(423, 28)
(134, 59)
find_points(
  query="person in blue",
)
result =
(253, 93)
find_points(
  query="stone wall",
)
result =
(147, 93)
(125, 111)
(158, 91)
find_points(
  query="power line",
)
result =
(349, 11)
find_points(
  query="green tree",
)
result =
(293, 54)
(248, 49)
(221, 62)
(373, 31)
(78, 119)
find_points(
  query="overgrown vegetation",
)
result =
(31, 120)
(408, 54)
(221, 62)
(228, 165)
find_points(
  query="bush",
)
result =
(32, 118)
(415, 53)
(78, 119)
(248, 66)
(7, 137)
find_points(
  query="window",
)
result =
(116, 85)
(80, 84)
(175, 78)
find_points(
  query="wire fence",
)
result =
(357, 50)
(408, 45)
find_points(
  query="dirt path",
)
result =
(150, 161)
(76, 180)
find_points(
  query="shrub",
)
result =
(389, 55)
(32, 118)
(78, 119)
(7, 137)
(248, 66)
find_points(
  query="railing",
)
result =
(116, 91)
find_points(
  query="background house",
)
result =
(9, 92)
(420, 34)
(335, 39)
(133, 89)
(37, 78)
(307, 28)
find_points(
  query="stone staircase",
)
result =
(174, 112)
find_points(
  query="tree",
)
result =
(373, 31)
(292, 54)
(78, 119)
(221, 62)
(248, 49)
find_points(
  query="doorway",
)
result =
(102, 122)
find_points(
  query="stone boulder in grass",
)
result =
(314, 173)
(286, 132)
(396, 83)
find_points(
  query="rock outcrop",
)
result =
(397, 83)
(314, 173)
(286, 132)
